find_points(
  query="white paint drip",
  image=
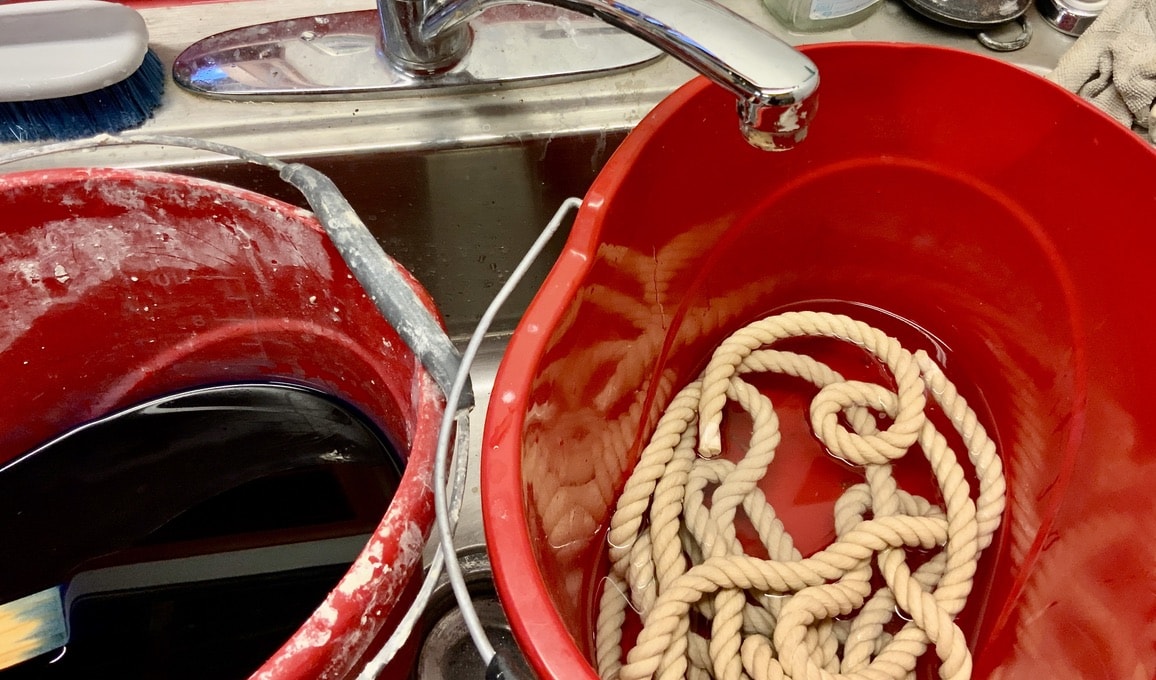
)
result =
(789, 119)
(362, 573)
(318, 635)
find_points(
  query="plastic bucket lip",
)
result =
(339, 632)
(536, 623)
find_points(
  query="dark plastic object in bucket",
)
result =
(934, 199)
(123, 286)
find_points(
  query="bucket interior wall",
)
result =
(920, 206)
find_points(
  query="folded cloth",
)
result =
(1113, 64)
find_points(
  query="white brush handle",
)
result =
(62, 48)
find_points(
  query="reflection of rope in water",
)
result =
(573, 500)
(675, 553)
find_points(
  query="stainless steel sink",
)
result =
(455, 186)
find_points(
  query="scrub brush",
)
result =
(74, 68)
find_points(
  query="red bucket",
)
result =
(958, 203)
(124, 286)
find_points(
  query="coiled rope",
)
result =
(674, 549)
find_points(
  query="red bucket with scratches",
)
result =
(965, 206)
(122, 286)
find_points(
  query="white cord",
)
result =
(447, 517)
(453, 568)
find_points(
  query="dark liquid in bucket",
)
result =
(805, 479)
(217, 588)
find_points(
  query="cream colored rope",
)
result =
(674, 550)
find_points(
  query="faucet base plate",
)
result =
(338, 56)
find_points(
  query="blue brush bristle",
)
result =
(125, 105)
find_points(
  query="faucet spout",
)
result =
(775, 85)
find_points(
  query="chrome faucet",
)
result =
(418, 45)
(775, 85)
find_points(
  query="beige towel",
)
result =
(1113, 64)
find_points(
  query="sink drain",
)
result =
(447, 653)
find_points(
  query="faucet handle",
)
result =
(339, 56)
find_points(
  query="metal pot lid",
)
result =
(978, 14)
